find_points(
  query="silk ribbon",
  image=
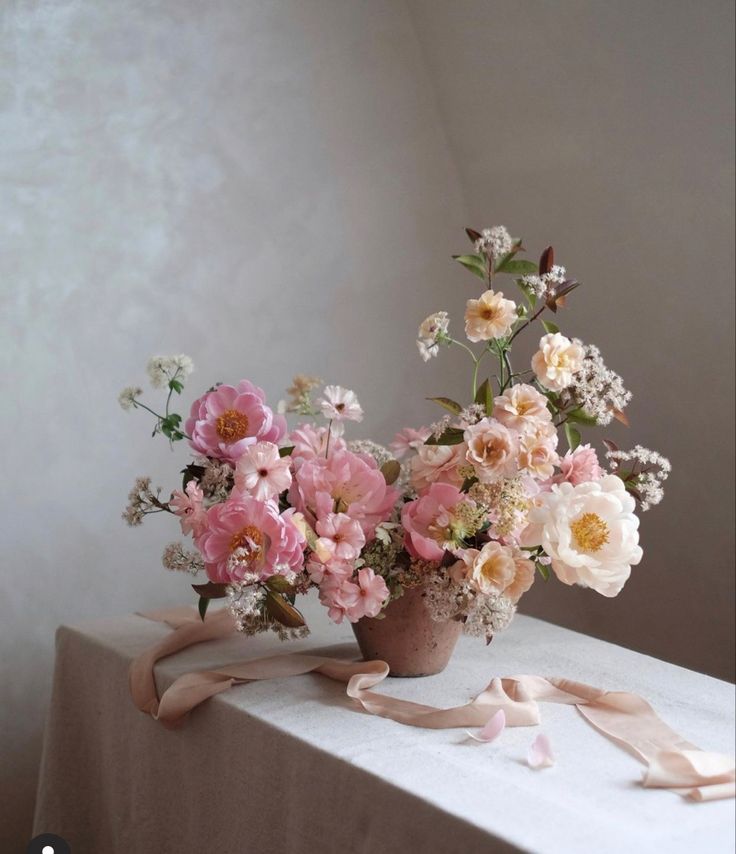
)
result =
(671, 761)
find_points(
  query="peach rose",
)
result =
(521, 406)
(490, 316)
(492, 450)
(437, 464)
(537, 454)
(557, 361)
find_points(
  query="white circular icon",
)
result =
(47, 849)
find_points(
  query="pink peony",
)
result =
(225, 421)
(372, 593)
(310, 441)
(437, 464)
(189, 508)
(340, 536)
(409, 439)
(578, 466)
(343, 483)
(428, 521)
(262, 472)
(266, 543)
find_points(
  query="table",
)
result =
(291, 766)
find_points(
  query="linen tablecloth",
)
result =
(290, 765)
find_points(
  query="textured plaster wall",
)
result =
(265, 186)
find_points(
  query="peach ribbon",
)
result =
(671, 762)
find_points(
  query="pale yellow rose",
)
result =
(557, 361)
(490, 316)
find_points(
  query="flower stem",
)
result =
(329, 434)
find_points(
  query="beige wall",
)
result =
(277, 185)
(606, 128)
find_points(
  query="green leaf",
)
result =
(202, 607)
(286, 451)
(484, 396)
(451, 436)
(391, 470)
(176, 385)
(573, 436)
(279, 584)
(550, 327)
(543, 571)
(282, 611)
(516, 267)
(579, 416)
(475, 263)
(210, 590)
(447, 403)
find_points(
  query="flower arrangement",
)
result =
(471, 508)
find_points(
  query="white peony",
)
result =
(557, 361)
(590, 532)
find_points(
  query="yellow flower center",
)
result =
(590, 532)
(249, 538)
(232, 426)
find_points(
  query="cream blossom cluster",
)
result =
(647, 470)
(141, 502)
(162, 369)
(495, 241)
(178, 558)
(128, 395)
(541, 286)
(598, 390)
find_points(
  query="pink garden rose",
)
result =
(428, 521)
(340, 536)
(339, 595)
(437, 464)
(409, 439)
(188, 507)
(346, 483)
(225, 421)
(310, 441)
(247, 536)
(578, 466)
(362, 597)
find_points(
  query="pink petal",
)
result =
(540, 753)
(492, 729)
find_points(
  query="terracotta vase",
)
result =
(407, 638)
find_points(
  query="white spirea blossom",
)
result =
(598, 390)
(494, 241)
(180, 559)
(162, 369)
(647, 469)
(127, 396)
(540, 286)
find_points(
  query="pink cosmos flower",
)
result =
(343, 483)
(428, 521)
(261, 472)
(372, 593)
(437, 464)
(246, 536)
(340, 536)
(339, 596)
(578, 466)
(225, 421)
(409, 439)
(310, 441)
(189, 508)
(340, 404)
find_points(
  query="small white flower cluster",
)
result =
(472, 414)
(366, 446)
(432, 332)
(127, 396)
(141, 501)
(245, 600)
(494, 241)
(541, 286)
(598, 390)
(162, 369)
(649, 470)
(439, 427)
(483, 614)
(216, 481)
(180, 559)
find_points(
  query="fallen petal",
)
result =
(540, 753)
(492, 729)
